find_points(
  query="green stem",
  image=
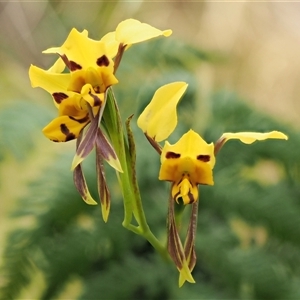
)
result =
(126, 154)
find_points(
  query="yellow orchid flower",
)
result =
(186, 164)
(91, 74)
(190, 161)
(80, 97)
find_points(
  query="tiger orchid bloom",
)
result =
(80, 97)
(186, 164)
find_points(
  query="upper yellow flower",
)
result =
(91, 73)
(130, 32)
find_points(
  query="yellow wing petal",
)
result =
(49, 81)
(132, 31)
(250, 137)
(159, 118)
(111, 44)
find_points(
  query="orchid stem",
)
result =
(132, 199)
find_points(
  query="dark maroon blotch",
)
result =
(74, 66)
(204, 158)
(59, 97)
(103, 61)
(82, 120)
(65, 130)
(172, 155)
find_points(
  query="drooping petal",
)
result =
(159, 118)
(103, 190)
(64, 128)
(81, 51)
(132, 31)
(250, 137)
(82, 187)
(107, 152)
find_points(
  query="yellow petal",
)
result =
(250, 137)
(159, 118)
(111, 44)
(191, 145)
(81, 50)
(58, 66)
(64, 128)
(133, 31)
(49, 81)
(191, 156)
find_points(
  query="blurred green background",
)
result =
(242, 63)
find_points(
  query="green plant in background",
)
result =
(97, 257)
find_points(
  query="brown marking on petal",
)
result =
(204, 158)
(70, 136)
(176, 196)
(74, 66)
(172, 155)
(71, 65)
(102, 61)
(97, 100)
(59, 97)
(82, 120)
(191, 197)
(65, 130)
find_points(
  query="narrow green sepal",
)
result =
(107, 151)
(189, 244)
(82, 187)
(103, 190)
(175, 247)
(87, 142)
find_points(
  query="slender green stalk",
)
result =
(126, 153)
